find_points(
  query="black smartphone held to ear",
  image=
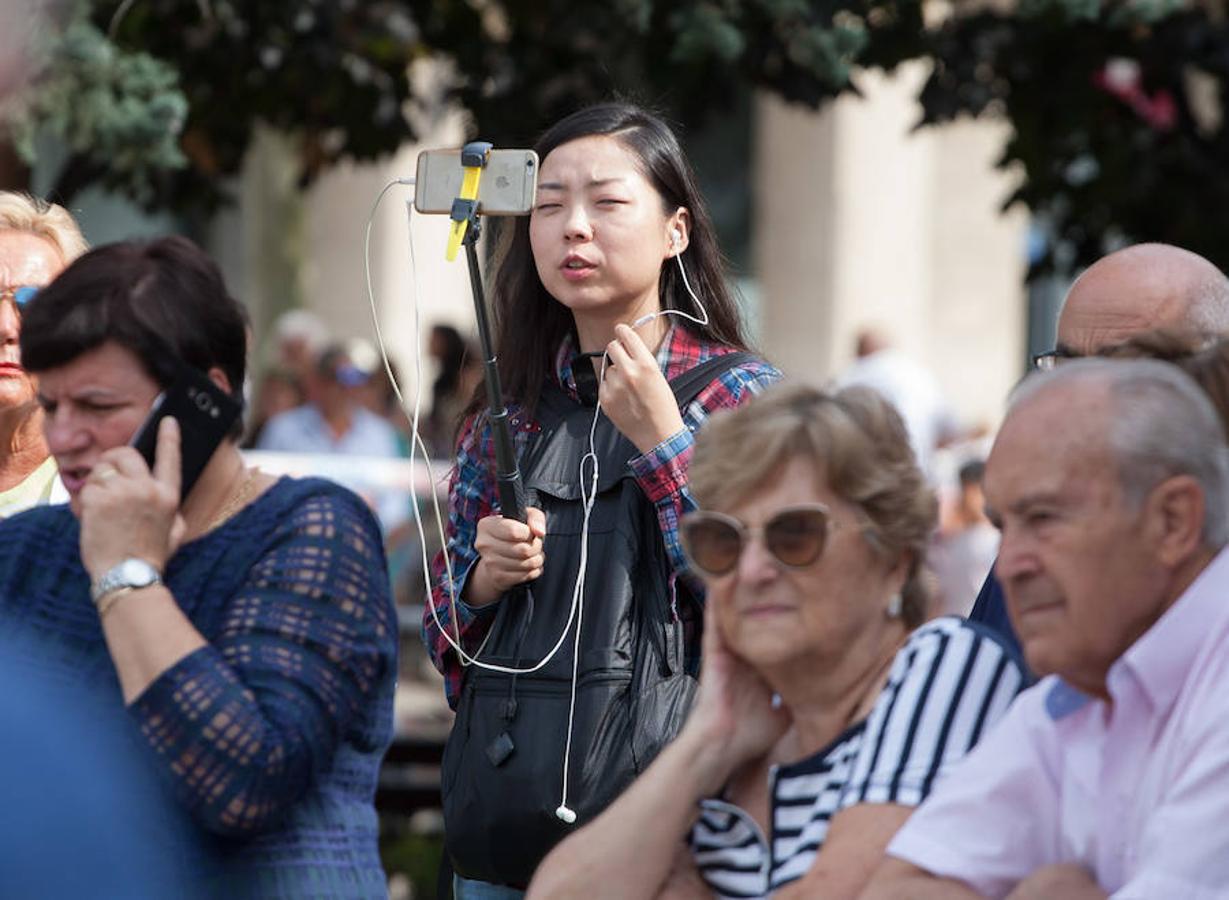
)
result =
(205, 414)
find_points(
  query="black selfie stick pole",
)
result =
(507, 473)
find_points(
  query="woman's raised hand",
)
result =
(127, 510)
(510, 553)
(734, 716)
(635, 394)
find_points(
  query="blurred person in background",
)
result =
(449, 393)
(811, 537)
(378, 397)
(244, 632)
(37, 240)
(299, 336)
(909, 387)
(278, 391)
(963, 551)
(335, 422)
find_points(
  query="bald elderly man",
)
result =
(1110, 778)
(1137, 289)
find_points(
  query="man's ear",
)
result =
(1175, 511)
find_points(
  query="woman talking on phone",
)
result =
(568, 641)
(246, 627)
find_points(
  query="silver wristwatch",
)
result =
(130, 574)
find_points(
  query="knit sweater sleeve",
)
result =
(245, 724)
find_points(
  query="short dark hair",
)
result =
(163, 300)
(972, 472)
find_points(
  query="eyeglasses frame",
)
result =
(746, 532)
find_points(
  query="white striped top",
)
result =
(949, 682)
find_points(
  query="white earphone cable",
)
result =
(454, 639)
(563, 812)
(577, 604)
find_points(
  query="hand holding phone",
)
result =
(205, 414)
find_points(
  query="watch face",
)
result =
(136, 573)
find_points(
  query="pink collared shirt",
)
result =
(1136, 792)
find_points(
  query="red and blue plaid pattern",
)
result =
(661, 473)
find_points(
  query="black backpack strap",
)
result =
(688, 385)
(552, 407)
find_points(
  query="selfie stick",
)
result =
(465, 230)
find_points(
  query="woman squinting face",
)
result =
(598, 230)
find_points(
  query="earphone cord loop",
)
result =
(416, 441)
(578, 590)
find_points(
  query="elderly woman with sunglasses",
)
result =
(37, 240)
(826, 710)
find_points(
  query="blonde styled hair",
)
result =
(53, 223)
(857, 443)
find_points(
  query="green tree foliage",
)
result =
(165, 106)
(1117, 113)
(524, 63)
(118, 113)
(334, 73)
(1116, 106)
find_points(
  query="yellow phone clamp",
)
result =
(465, 207)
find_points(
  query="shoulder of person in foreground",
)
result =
(75, 793)
(994, 819)
(947, 684)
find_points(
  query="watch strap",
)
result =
(126, 575)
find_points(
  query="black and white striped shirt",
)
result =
(948, 684)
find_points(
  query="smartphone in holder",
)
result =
(205, 414)
(508, 187)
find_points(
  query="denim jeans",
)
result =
(465, 889)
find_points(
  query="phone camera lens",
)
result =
(202, 401)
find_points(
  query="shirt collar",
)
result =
(1062, 700)
(1162, 658)
(673, 355)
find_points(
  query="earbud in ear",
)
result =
(676, 237)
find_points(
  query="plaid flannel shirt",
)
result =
(661, 473)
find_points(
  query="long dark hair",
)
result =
(530, 323)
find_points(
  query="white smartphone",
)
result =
(508, 187)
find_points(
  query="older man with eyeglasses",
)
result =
(37, 240)
(1131, 291)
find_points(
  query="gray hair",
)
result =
(1160, 425)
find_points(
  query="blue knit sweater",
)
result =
(271, 736)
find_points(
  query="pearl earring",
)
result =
(895, 605)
